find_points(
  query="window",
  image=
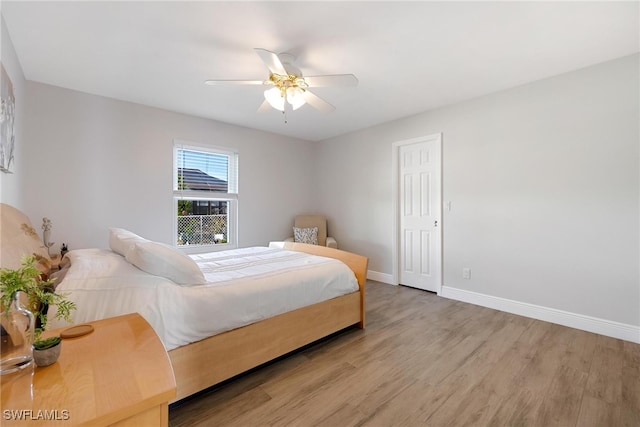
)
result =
(205, 194)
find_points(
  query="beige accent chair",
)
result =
(310, 221)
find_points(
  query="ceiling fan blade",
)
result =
(233, 82)
(264, 107)
(332, 80)
(316, 102)
(272, 61)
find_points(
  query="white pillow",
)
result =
(163, 260)
(121, 240)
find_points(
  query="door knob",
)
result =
(435, 224)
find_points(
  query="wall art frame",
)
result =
(7, 122)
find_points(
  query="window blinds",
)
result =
(205, 170)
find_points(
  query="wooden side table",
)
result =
(119, 374)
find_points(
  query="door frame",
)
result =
(395, 169)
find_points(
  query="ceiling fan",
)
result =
(288, 85)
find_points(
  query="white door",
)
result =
(420, 213)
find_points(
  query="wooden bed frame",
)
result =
(205, 363)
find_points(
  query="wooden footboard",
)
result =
(357, 263)
(202, 364)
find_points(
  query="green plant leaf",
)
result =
(40, 292)
(46, 343)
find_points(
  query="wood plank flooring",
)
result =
(429, 361)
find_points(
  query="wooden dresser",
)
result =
(119, 374)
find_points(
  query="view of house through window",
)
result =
(205, 195)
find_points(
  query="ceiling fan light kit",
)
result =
(290, 88)
(289, 84)
(275, 98)
(295, 97)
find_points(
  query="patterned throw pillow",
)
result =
(305, 235)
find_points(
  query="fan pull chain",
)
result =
(284, 114)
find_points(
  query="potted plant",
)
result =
(40, 295)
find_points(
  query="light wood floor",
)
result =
(429, 361)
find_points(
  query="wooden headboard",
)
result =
(18, 238)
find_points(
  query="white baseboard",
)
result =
(565, 318)
(380, 277)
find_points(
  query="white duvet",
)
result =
(243, 286)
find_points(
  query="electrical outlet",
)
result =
(466, 273)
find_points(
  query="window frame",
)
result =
(230, 196)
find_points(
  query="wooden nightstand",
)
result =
(119, 375)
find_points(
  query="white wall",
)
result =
(94, 162)
(10, 183)
(543, 180)
(544, 185)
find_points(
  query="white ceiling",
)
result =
(409, 57)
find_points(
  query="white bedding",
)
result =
(243, 286)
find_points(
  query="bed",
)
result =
(269, 326)
(210, 361)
